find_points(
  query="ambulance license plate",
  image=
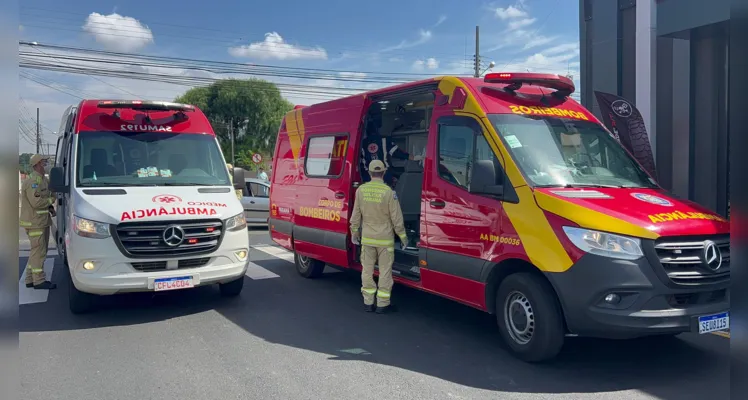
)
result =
(714, 322)
(175, 283)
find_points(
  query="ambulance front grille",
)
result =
(149, 266)
(695, 261)
(146, 239)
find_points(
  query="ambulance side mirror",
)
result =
(239, 178)
(57, 180)
(488, 179)
(483, 179)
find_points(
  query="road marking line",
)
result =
(256, 272)
(26, 253)
(723, 334)
(356, 351)
(31, 295)
(277, 252)
(286, 255)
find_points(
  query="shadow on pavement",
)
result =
(428, 335)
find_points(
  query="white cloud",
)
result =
(346, 74)
(560, 59)
(275, 47)
(510, 12)
(423, 37)
(440, 21)
(429, 63)
(117, 32)
(562, 48)
(521, 23)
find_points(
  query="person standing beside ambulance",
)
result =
(377, 210)
(36, 219)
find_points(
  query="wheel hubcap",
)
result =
(519, 317)
(304, 261)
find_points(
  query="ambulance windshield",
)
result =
(568, 152)
(149, 159)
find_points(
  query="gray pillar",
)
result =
(708, 120)
(681, 116)
(664, 108)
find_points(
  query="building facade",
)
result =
(670, 59)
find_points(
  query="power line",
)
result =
(118, 88)
(190, 61)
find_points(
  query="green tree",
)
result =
(253, 108)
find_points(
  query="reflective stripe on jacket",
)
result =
(35, 201)
(377, 211)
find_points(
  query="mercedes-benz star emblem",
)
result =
(173, 235)
(712, 255)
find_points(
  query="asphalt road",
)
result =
(286, 337)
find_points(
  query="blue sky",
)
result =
(417, 37)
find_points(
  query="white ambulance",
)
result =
(145, 202)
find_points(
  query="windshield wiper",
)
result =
(188, 184)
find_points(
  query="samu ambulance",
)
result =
(145, 202)
(524, 206)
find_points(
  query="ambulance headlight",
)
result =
(235, 223)
(90, 229)
(605, 244)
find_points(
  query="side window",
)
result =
(461, 145)
(325, 156)
(259, 190)
(58, 151)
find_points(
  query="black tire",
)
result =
(308, 267)
(545, 329)
(233, 288)
(62, 253)
(79, 302)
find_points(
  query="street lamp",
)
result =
(490, 65)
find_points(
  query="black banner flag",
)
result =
(627, 124)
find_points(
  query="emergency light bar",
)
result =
(563, 85)
(146, 105)
(296, 107)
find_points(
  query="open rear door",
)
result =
(329, 135)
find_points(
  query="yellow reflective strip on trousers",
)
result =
(383, 294)
(41, 212)
(24, 223)
(378, 242)
(35, 233)
(37, 270)
(368, 291)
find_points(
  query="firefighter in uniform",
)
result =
(376, 211)
(36, 219)
(239, 193)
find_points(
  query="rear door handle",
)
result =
(339, 195)
(252, 202)
(437, 203)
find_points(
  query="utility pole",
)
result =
(38, 135)
(231, 133)
(477, 52)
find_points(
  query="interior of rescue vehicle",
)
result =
(406, 118)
